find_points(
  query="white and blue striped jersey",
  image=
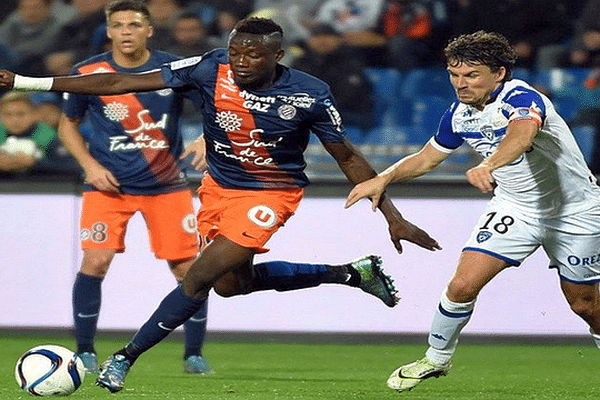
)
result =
(551, 179)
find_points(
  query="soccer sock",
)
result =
(194, 330)
(174, 310)
(283, 275)
(87, 297)
(596, 338)
(449, 319)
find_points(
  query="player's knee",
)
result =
(586, 307)
(462, 291)
(231, 285)
(96, 265)
(226, 290)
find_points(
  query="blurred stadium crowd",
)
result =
(382, 58)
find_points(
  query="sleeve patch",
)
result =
(524, 113)
(186, 62)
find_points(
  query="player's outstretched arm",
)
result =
(357, 170)
(95, 84)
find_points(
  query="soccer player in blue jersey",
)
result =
(258, 115)
(131, 163)
(544, 193)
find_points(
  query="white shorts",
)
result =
(572, 243)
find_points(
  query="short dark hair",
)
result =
(127, 5)
(481, 47)
(258, 26)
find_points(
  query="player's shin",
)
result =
(174, 310)
(283, 276)
(86, 309)
(195, 331)
(448, 321)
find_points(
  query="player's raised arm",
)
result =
(96, 84)
(357, 170)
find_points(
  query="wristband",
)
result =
(32, 84)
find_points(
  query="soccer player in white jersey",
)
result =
(544, 195)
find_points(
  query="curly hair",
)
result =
(484, 48)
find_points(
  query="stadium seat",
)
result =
(427, 111)
(386, 84)
(355, 134)
(417, 135)
(559, 80)
(524, 74)
(427, 82)
(387, 135)
(565, 88)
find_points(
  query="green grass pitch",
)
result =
(293, 370)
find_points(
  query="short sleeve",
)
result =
(524, 104)
(446, 138)
(327, 122)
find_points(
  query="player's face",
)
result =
(474, 83)
(129, 31)
(17, 116)
(253, 60)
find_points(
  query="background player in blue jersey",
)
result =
(258, 115)
(544, 193)
(131, 163)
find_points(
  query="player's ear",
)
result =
(108, 33)
(150, 32)
(501, 73)
(279, 55)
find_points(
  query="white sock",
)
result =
(596, 338)
(449, 319)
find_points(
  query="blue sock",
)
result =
(194, 330)
(174, 310)
(283, 275)
(87, 295)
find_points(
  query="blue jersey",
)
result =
(256, 138)
(135, 135)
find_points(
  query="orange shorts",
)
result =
(169, 218)
(246, 217)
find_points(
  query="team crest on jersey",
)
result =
(488, 132)
(286, 112)
(483, 236)
(228, 121)
(262, 216)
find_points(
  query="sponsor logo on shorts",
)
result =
(262, 216)
(188, 223)
(583, 261)
(483, 236)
